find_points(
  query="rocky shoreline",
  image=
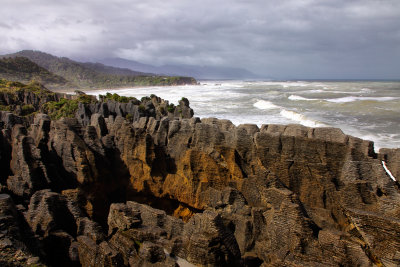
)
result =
(142, 184)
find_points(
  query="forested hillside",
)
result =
(90, 75)
(23, 70)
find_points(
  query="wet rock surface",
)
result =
(136, 184)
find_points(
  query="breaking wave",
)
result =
(300, 118)
(296, 98)
(263, 104)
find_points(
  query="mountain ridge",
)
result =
(24, 70)
(97, 75)
(198, 72)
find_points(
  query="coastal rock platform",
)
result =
(129, 184)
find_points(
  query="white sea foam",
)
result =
(297, 97)
(263, 104)
(348, 99)
(300, 118)
(342, 99)
(365, 89)
(327, 90)
(287, 84)
(294, 84)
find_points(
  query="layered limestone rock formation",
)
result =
(125, 185)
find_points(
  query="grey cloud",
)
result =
(4, 25)
(291, 38)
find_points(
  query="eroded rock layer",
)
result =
(128, 184)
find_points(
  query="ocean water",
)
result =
(369, 110)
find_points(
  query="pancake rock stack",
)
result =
(130, 184)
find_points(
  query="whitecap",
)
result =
(294, 84)
(365, 89)
(359, 98)
(342, 99)
(263, 104)
(300, 118)
(296, 98)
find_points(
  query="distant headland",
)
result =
(63, 73)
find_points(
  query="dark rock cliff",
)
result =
(129, 184)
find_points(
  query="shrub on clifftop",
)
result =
(116, 97)
(66, 107)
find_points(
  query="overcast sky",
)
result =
(275, 38)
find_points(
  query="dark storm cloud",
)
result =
(292, 38)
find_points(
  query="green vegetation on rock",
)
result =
(28, 99)
(141, 107)
(145, 98)
(171, 108)
(129, 117)
(12, 88)
(27, 109)
(66, 107)
(23, 99)
(63, 108)
(5, 108)
(116, 97)
(14, 93)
